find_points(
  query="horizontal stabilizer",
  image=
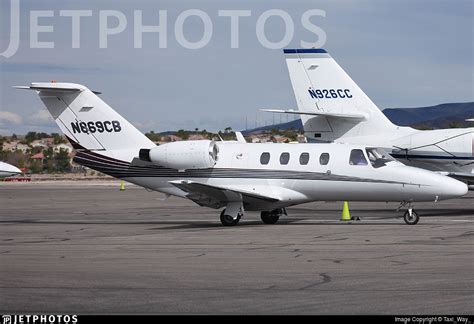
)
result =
(358, 116)
(55, 87)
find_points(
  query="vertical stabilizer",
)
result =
(321, 85)
(89, 123)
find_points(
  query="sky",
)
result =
(401, 53)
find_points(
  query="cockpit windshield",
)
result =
(378, 157)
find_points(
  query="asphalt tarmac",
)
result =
(89, 248)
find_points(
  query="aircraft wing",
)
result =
(319, 113)
(217, 196)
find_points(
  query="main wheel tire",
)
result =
(413, 219)
(269, 218)
(228, 220)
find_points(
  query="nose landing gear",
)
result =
(410, 217)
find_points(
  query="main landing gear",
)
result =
(410, 217)
(228, 220)
(232, 213)
(272, 217)
(231, 216)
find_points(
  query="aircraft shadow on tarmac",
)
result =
(374, 214)
(286, 221)
(301, 216)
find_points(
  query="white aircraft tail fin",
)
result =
(88, 122)
(322, 87)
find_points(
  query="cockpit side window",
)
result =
(357, 158)
(378, 157)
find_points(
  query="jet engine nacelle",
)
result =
(183, 155)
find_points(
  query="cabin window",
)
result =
(304, 158)
(357, 158)
(324, 159)
(265, 158)
(284, 158)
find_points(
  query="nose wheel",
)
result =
(410, 217)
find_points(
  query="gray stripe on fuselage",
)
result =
(120, 170)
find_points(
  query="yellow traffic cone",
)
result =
(346, 215)
(122, 185)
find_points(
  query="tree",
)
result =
(44, 135)
(183, 134)
(62, 161)
(422, 127)
(30, 137)
(454, 124)
(153, 136)
(291, 133)
(57, 139)
(49, 159)
(17, 158)
(36, 166)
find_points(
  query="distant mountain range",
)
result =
(434, 117)
(440, 116)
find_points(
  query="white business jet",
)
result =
(235, 175)
(334, 109)
(8, 170)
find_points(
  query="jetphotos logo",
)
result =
(182, 27)
(39, 319)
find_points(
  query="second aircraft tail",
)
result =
(321, 86)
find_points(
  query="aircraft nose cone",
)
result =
(452, 188)
(5, 167)
(13, 169)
